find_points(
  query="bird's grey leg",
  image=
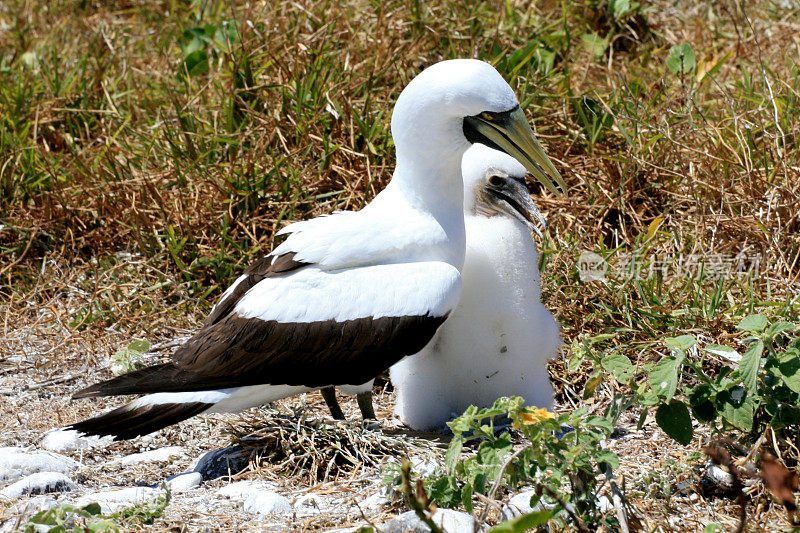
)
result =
(365, 405)
(329, 394)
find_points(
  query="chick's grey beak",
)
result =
(511, 133)
(513, 198)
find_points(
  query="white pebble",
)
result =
(267, 502)
(240, 490)
(16, 463)
(39, 483)
(447, 519)
(152, 456)
(114, 500)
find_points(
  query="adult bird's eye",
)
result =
(495, 181)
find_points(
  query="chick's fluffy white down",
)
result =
(495, 343)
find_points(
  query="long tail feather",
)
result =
(136, 419)
(158, 378)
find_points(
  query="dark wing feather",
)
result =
(238, 351)
(267, 267)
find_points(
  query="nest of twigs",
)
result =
(318, 449)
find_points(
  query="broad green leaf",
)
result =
(466, 497)
(608, 457)
(750, 365)
(753, 323)
(620, 7)
(664, 377)
(461, 424)
(139, 346)
(620, 366)
(701, 400)
(789, 370)
(453, 451)
(574, 362)
(780, 327)
(682, 343)
(591, 384)
(675, 420)
(523, 523)
(595, 44)
(192, 41)
(723, 351)
(648, 397)
(196, 63)
(680, 59)
(93, 509)
(737, 407)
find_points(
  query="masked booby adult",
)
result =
(348, 295)
(499, 338)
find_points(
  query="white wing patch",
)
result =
(312, 294)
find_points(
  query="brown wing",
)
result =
(266, 267)
(237, 351)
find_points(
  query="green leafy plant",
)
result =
(64, 518)
(749, 392)
(563, 467)
(129, 358)
(681, 59)
(70, 518)
(195, 44)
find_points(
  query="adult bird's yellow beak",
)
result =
(510, 132)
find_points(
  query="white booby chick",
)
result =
(348, 295)
(498, 340)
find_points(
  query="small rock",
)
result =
(519, 504)
(242, 489)
(223, 462)
(152, 456)
(114, 500)
(309, 504)
(450, 521)
(267, 502)
(184, 482)
(16, 463)
(375, 501)
(69, 440)
(39, 483)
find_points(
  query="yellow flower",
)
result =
(535, 415)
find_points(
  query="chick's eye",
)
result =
(495, 181)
